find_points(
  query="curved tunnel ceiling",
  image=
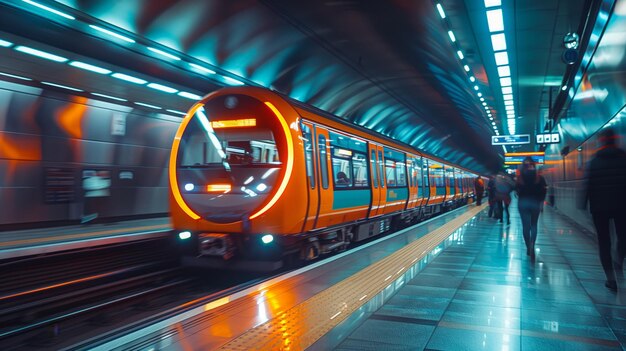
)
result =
(387, 66)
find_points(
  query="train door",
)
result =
(310, 152)
(375, 176)
(325, 187)
(382, 179)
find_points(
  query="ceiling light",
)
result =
(189, 95)
(509, 108)
(508, 103)
(452, 37)
(89, 67)
(128, 78)
(495, 128)
(495, 21)
(49, 9)
(502, 58)
(504, 71)
(466, 68)
(507, 97)
(177, 112)
(476, 87)
(111, 33)
(233, 81)
(201, 68)
(472, 79)
(162, 88)
(147, 105)
(460, 53)
(482, 99)
(484, 104)
(60, 86)
(109, 97)
(492, 3)
(505, 82)
(498, 41)
(163, 53)
(14, 76)
(491, 118)
(39, 53)
(507, 90)
(440, 9)
(5, 44)
(564, 87)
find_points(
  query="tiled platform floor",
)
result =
(484, 293)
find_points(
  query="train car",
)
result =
(256, 176)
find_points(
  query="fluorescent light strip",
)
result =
(441, 12)
(233, 81)
(492, 3)
(177, 112)
(502, 58)
(508, 102)
(147, 105)
(466, 67)
(108, 97)
(49, 9)
(14, 76)
(564, 87)
(201, 68)
(505, 82)
(61, 86)
(498, 41)
(89, 67)
(509, 108)
(189, 95)
(111, 33)
(39, 53)
(507, 90)
(495, 21)
(128, 78)
(460, 53)
(451, 35)
(507, 97)
(504, 71)
(163, 53)
(5, 44)
(162, 88)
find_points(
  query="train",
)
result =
(256, 176)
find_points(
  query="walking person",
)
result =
(503, 187)
(479, 190)
(491, 193)
(605, 189)
(531, 190)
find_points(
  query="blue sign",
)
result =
(510, 139)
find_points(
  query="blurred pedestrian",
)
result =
(479, 190)
(605, 189)
(503, 187)
(491, 193)
(531, 190)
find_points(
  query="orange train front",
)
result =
(255, 177)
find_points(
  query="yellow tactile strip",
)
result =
(303, 324)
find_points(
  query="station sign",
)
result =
(516, 158)
(510, 139)
(549, 138)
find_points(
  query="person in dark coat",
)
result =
(479, 190)
(531, 190)
(503, 187)
(491, 193)
(606, 190)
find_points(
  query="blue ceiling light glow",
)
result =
(5, 44)
(502, 58)
(163, 53)
(128, 78)
(111, 33)
(495, 21)
(49, 9)
(466, 67)
(504, 71)
(162, 88)
(147, 105)
(14, 76)
(451, 35)
(61, 86)
(233, 81)
(498, 41)
(202, 68)
(505, 82)
(492, 3)
(189, 95)
(39, 53)
(89, 67)
(460, 53)
(177, 112)
(109, 97)
(441, 12)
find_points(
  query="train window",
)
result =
(359, 170)
(400, 174)
(323, 160)
(390, 167)
(341, 172)
(308, 153)
(381, 167)
(374, 168)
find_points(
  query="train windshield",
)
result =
(228, 160)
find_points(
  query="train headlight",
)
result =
(189, 187)
(267, 238)
(184, 235)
